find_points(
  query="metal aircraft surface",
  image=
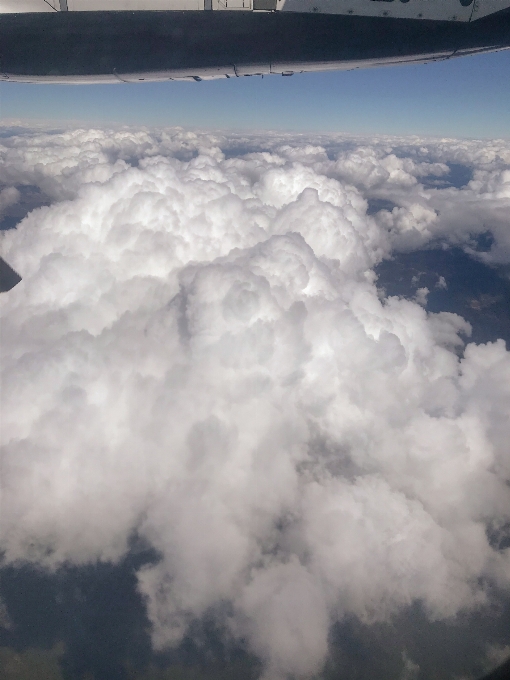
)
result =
(8, 277)
(84, 41)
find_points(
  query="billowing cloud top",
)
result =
(198, 354)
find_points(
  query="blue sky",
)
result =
(466, 97)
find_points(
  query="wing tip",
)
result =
(8, 277)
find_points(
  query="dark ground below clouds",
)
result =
(89, 623)
(475, 291)
(458, 177)
(31, 197)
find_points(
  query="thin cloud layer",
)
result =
(198, 354)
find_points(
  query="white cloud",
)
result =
(198, 353)
(421, 296)
(5, 619)
(8, 196)
(410, 670)
(496, 655)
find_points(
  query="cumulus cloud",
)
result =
(8, 196)
(198, 354)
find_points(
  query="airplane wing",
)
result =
(91, 41)
(8, 277)
(440, 10)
